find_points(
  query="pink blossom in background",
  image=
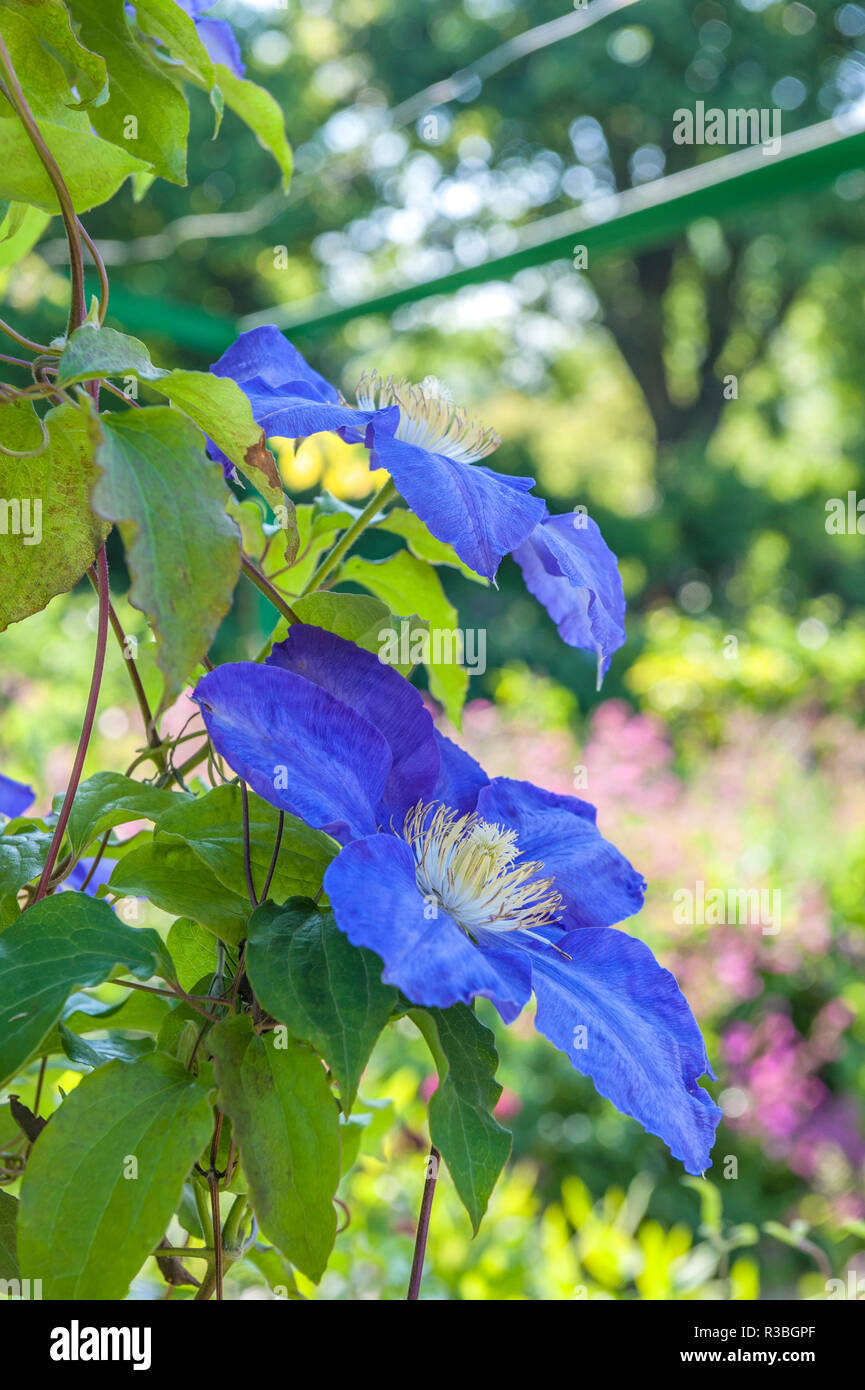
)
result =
(730, 816)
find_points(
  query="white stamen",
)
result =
(428, 417)
(467, 865)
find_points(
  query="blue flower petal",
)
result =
(288, 397)
(296, 417)
(482, 514)
(297, 746)
(460, 779)
(641, 1047)
(598, 885)
(15, 797)
(377, 903)
(266, 354)
(101, 874)
(569, 568)
(383, 697)
(217, 35)
(219, 39)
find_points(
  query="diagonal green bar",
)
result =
(726, 188)
(636, 219)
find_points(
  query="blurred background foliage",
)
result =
(727, 745)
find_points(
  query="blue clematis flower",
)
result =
(570, 569)
(427, 444)
(463, 885)
(15, 797)
(217, 35)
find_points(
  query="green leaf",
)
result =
(407, 585)
(60, 944)
(315, 534)
(277, 1272)
(96, 1051)
(92, 168)
(212, 826)
(223, 412)
(181, 1031)
(462, 1125)
(286, 1125)
(19, 233)
(51, 20)
(250, 521)
(42, 79)
(54, 535)
(328, 993)
(193, 951)
(107, 799)
(106, 1176)
(92, 352)
(138, 1012)
(177, 881)
(182, 549)
(216, 404)
(8, 1223)
(141, 182)
(711, 1204)
(166, 21)
(258, 110)
(144, 112)
(422, 543)
(359, 618)
(22, 855)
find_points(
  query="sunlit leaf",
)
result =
(286, 1124)
(53, 533)
(307, 974)
(407, 585)
(145, 112)
(259, 110)
(462, 1125)
(183, 551)
(134, 1129)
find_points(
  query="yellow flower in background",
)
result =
(324, 460)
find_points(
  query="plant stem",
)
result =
(247, 848)
(87, 727)
(178, 774)
(216, 1220)
(27, 453)
(330, 561)
(175, 993)
(153, 738)
(263, 584)
(271, 870)
(234, 1223)
(185, 1252)
(213, 1184)
(423, 1220)
(17, 99)
(14, 93)
(100, 270)
(21, 340)
(14, 361)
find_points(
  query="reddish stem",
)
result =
(87, 727)
(423, 1221)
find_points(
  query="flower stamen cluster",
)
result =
(428, 417)
(468, 865)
